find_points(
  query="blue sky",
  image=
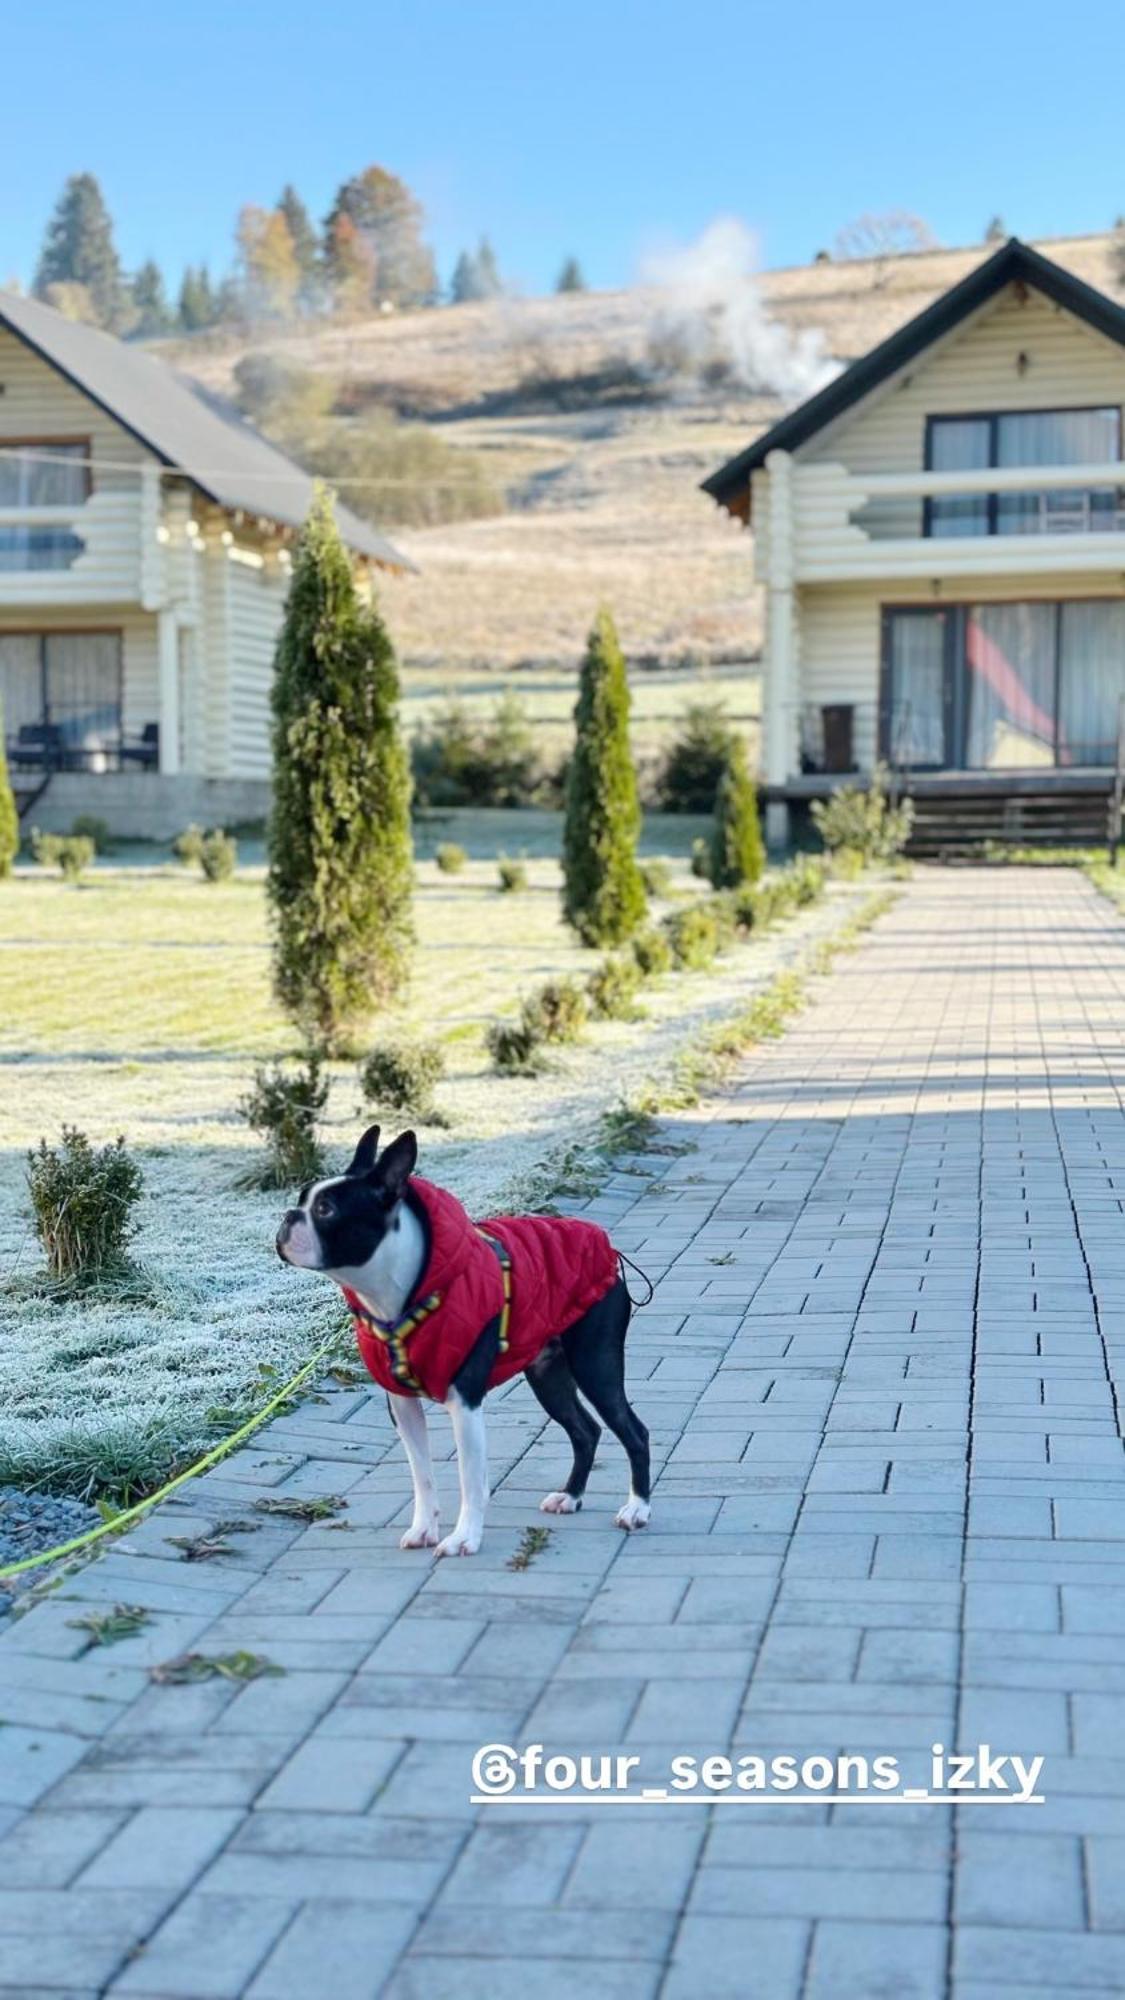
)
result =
(603, 127)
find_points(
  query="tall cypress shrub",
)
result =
(603, 893)
(738, 852)
(9, 817)
(340, 849)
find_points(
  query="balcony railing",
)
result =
(75, 553)
(879, 523)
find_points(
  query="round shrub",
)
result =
(283, 1106)
(70, 853)
(652, 952)
(693, 935)
(218, 855)
(657, 877)
(82, 1200)
(187, 845)
(514, 1047)
(450, 857)
(401, 1076)
(558, 1011)
(89, 827)
(848, 863)
(612, 987)
(512, 875)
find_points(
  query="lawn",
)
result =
(138, 1002)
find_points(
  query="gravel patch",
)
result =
(33, 1521)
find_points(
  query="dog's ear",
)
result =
(396, 1166)
(363, 1161)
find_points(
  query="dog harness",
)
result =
(534, 1274)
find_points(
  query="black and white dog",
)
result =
(367, 1231)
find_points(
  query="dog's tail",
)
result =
(644, 1277)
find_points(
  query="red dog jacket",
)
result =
(537, 1274)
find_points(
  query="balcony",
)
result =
(80, 553)
(1064, 520)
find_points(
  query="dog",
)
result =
(445, 1309)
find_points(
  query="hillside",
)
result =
(599, 458)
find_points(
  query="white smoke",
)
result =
(712, 319)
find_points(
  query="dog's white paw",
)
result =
(462, 1542)
(421, 1535)
(559, 1503)
(634, 1514)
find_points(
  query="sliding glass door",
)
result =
(1005, 686)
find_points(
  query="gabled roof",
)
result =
(1013, 261)
(226, 459)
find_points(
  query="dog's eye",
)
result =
(323, 1209)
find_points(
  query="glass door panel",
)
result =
(84, 696)
(917, 703)
(1010, 686)
(959, 444)
(1091, 681)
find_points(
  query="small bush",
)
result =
(401, 1076)
(652, 952)
(460, 760)
(808, 874)
(722, 909)
(188, 846)
(612, 987)
(848, 863)
(82, 1200)
(87, 826)
(701, 858)
(863, 817)
(514, 1047)
(511, 875)
(450, 857)
(657, 877)
(283, 1107)
(70, 853)
(218, 855)
(693, 935)
(558, 1011)
(696, 758)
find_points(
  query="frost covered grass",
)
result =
(138, 1002)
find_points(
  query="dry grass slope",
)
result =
(604, 500)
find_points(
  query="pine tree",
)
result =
(488, 271)
(340, 851)
(737, 850)
(197, 300)
(78, 249)
(306, 248)
(9, 817)
(465, 285)
(570, 278)
(150, 302)
(603, 894)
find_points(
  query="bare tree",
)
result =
(894, 234)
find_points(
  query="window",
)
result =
(38, 548)
(61, 699)
(1025, 438)
(44, 472)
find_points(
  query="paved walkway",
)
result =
(880, 1375)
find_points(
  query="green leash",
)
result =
(210, 1458)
